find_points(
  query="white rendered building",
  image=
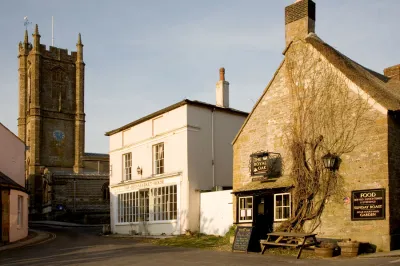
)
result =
(161, 162)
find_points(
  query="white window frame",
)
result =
(20, 210)
(126, 170)
(165, 205)
(283, 206)
(156, 167)
(245, 209)
(132, 207)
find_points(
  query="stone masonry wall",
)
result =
(366, 167)
(87, 195)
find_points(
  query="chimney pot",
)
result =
(222, 73)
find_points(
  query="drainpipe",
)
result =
(212, 147)
(74, 195)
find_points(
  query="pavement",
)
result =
(63, 224)
(393, 253)
(40, 237)
(82, 245)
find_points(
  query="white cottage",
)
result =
(161, 162)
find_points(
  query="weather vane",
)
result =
(26, 22)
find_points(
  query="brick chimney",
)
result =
(222, 90)
(392, 72)
(299, 20)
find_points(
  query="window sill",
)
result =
(245, 221)
(148, 222)
(280, 220)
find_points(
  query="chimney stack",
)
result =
(392, 72)
(299, 20)
(222, 91)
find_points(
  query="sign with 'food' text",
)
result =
(368, 204)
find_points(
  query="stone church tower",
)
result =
(51, 118)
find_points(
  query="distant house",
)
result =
(13, 195)
(368, 209)
(161, 162)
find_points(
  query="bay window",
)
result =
(155, 204)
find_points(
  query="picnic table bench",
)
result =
(287, 239)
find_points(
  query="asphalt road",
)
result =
(83, 246)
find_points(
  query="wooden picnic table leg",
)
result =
(301, 248)
(264, 246)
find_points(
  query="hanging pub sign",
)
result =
(368, 204)
(265, 165)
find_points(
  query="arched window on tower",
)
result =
(106, 191)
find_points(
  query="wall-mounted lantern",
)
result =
(139, 170)
(330, 161)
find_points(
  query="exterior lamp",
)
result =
(329, 161)
(139, 170)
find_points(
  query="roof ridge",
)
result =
(371, 82)
(170, 108)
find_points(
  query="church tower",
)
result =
(51, 118)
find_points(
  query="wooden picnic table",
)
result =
(287, 239)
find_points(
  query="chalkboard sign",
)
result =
(242, 238)
(368, 204)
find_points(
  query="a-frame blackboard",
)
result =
(242, 238)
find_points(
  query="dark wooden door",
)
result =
(264, 215)
(5, 215)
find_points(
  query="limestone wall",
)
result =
(366, 167)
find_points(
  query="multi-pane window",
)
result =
(128, 210)
(136, 207)
(144, 205)
(282, 206)
(245, 209)
(127, 161)
(158, 158)
(20, 203)
(165, 203)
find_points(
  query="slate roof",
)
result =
(172, 107)
(93, 154)
(7, 182)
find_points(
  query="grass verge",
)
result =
(196, 241)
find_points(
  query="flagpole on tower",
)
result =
(52, 31)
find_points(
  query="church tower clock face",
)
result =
(58, 135)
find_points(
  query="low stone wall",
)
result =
(81, 193)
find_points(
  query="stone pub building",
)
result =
(368, 210)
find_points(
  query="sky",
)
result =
(142, 56)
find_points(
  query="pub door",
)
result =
(264, 215)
